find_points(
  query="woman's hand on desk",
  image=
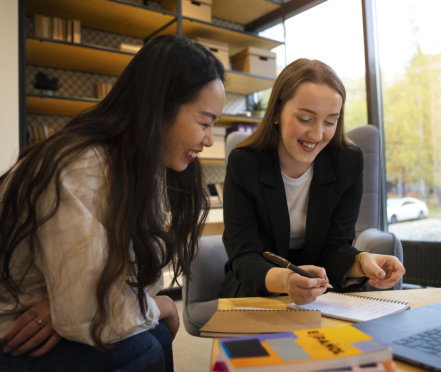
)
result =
(383, 271)
(32, 331)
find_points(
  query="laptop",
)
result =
(414, 335)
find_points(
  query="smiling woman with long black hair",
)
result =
(91, 216)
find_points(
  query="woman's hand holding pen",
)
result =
(303, 290)
(383, 271)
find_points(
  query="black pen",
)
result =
(282, 262)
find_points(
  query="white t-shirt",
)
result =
(297, 196)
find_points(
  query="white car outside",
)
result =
(403, 209)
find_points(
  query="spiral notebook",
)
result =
(243, 317)
(353, 308)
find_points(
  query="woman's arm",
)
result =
(242, 237)
(339, 255)
(383, 271)
(169, 313)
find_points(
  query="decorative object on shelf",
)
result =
(258, 107)
(45, 84)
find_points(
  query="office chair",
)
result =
(200, 294)
(369, 237)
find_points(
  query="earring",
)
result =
(276, 123)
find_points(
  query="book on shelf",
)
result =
(232, 319)
(353, 308)
(57, 28)
(303, 350)
(76, 31)
(38, 133)
(69, 30)
(103, 88)
(127, 47)
(42, 26)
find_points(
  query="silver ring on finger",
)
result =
(39, 322)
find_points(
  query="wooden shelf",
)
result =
(209, 162)
(244, 83)
(72, 106)
(107, 61)
(122, 17)
(57, 105)
(77, 57)
(237, 40)
(228, 119)
(242, 11)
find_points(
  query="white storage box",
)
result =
(217, 151)
(255, 61)
(219, 49)
(190, 8)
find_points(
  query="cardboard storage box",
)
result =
(219, 49)
(255, 61)
(217, 151)
(190, 8)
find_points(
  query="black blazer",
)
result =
(256, 217)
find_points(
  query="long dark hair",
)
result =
(129, 125)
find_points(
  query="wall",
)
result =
(9, 92)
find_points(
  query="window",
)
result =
(410, 61)
(333, 33)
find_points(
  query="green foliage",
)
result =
(258, 105)
(355, 106)
(411, 122)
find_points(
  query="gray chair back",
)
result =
(367, 137)
(200, 294)
(232, 140)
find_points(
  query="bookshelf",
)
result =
(136, 20)
(129, 18)
(119, 16)
(58, 105)
(109, 61)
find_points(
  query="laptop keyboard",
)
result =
(428, 341)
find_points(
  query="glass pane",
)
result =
(410, 60)
(333, 33)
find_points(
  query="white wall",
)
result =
(9, 98)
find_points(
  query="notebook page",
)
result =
(353, 308)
